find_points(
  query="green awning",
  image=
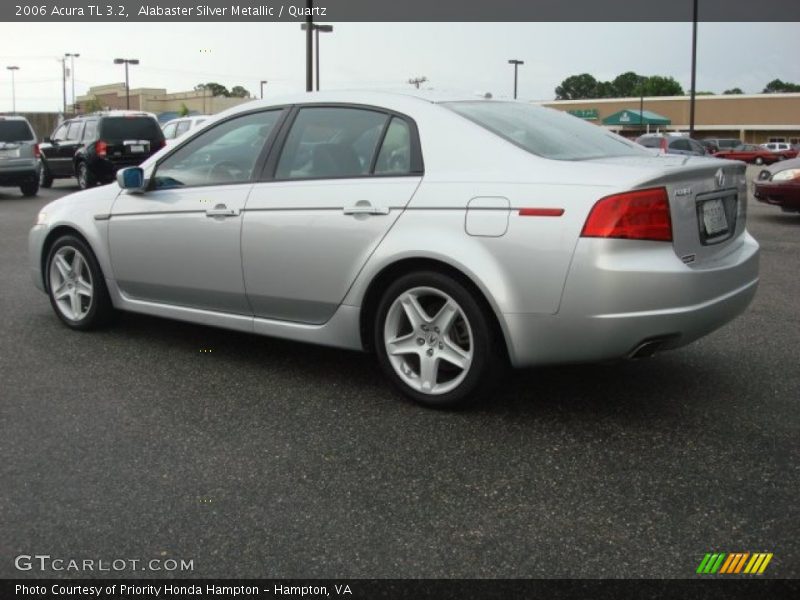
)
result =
(629, 117)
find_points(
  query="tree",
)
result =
(656, 85)
(605, 89)
(577, 87)
(216, 89)
(776, 86)
(184, 110)
(733, 91)
(704, 94)
(91, 105)
(627, 84)
(238, 91)
(416, 81)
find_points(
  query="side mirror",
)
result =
(131, 179)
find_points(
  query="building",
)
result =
(157, 100)
(753, 118)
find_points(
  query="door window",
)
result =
(395, 155)
(227, 153)
(90, 133)
(331, 142)
(169, 131)
(681, 145)
(74, 131)
(60, 134)
(183, 127)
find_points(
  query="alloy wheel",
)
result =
(71, 283)
(428, 340)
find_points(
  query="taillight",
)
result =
(36, 152)
(637, 215)
(664, 145)
(100, 148)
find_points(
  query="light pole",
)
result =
(126, 62)
(642, 80)
(13, 89)
(72, 57)
(317, 29)
(694, 69)
(516, 64)
(309, 45)
(263, 83)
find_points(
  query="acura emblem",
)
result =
(720, 178)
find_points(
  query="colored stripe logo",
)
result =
(734, 563)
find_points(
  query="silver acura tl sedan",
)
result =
(449, 236)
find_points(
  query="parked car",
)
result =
(782, 148)
(177, 127)
(446, 235)
(780, 185)
(93, 147)
(672, 144)
(725, 143)
(750, 153)
(19, 155)
(710, 147)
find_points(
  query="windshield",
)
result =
(15, 131)
(130, 128)
(546, 132)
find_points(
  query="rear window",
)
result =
(130, 128)
(546, 132)
(15, 131)
(651, 142)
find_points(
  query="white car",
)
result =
(177, 127)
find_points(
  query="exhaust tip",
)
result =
(650, 346)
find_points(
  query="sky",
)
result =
(464, 57)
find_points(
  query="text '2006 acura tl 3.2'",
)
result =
(449, 236)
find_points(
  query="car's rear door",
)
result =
(179, 242)
(338, 179)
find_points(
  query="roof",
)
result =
(630, 116)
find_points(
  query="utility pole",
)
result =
(13, 89)
(516, 64)
(416, 81)
(694, 69)
(72, 57)
(64, 83)
(310, 47)
(126, 62)
(263, 83)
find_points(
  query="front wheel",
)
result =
(76, 285)
(435, 340)
(45, 178)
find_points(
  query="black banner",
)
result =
(392, 589)
(399, 11)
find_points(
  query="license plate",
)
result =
(714, 219)
(137, 148)
(9, 153)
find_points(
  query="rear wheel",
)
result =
(76, 285)
(29, 188)
(435, 341)
(45, 177)
(86, 178)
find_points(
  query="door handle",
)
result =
(220, 210)
(365, 209)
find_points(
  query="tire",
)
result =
(759, 160)
(85, 303)
(45, 178)
(29, 189)
(86, 178)
(424, 343)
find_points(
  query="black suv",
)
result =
(93, 147)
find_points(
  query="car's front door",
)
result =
(342, 178)
(178, 243)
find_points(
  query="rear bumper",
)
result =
(619, 295)
(106, 169)
(17, 172)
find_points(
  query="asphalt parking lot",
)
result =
(267, 458)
